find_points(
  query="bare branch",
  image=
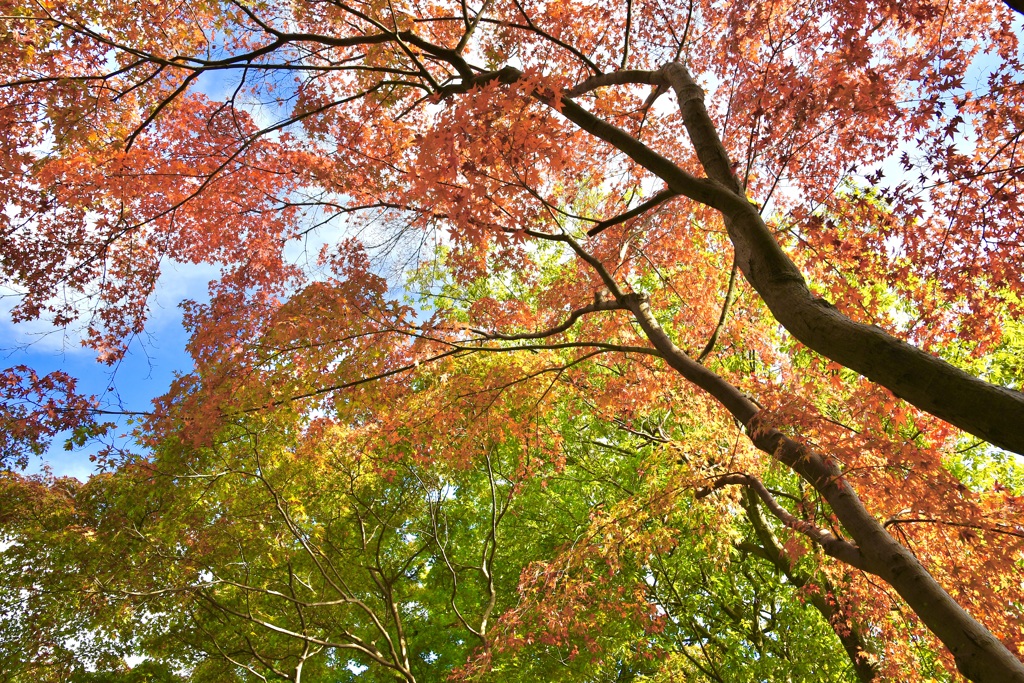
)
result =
(598, 305)
(622, 77)
(994, 528)
(471, 27)
(713, 339)
(651, 203)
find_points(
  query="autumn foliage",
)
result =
(571, 341)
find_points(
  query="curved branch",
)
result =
(995, 528)
(621, 77)
(986, 410)
(713, 339)
(530, 26)
(355, 643)
(599, 304)
(434, 509)
(703, 190)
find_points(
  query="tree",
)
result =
(532, 143)
(276, 552)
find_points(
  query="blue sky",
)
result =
(143, 374)
(152, 359)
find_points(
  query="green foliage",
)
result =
(284, 544)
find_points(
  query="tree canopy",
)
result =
(604, 341)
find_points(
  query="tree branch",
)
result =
(651, 203)
(843, 551)
(621, 77)
(713, 339)
(986, 410)
(599, 304)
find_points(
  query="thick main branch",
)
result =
(988, 411)
(991, 412)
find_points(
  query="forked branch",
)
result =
(832, 545)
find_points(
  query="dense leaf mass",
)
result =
(643, 340)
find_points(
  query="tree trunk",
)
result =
(993, 413)
(979, 655)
